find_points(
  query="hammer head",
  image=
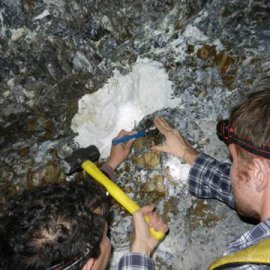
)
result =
(76, 159)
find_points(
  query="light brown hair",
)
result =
(251, 119)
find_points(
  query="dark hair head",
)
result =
(52, 224)
(251, 119)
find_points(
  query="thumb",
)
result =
(130, 143)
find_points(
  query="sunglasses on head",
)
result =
(226, 133)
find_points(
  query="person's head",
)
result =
(247, 132)
(56, 227)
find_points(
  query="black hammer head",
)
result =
(76, 159)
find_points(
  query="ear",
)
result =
(89, 264)
(260, 173)
(232, 149)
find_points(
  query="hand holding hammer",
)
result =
(85, 158)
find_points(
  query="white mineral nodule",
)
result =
(121, 103)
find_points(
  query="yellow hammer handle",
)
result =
(117, 193)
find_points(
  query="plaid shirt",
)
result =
(135, 261)
(209, 178)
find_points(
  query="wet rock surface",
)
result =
(54, 52)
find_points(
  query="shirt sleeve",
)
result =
(135, 261)
(108, 171)
(210, 179)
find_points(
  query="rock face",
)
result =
(54, 52)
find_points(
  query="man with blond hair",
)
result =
(244, 184)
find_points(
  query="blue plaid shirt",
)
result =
(135, 261)
(209, 178)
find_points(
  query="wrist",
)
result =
(112, 164)
(108, 171)
(189, 155)
(140, 248)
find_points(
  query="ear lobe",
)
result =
(89, 264)
(260, 174)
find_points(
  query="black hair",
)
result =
(52, 224)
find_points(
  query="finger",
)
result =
(138, 221)
(129, 144)
(161, 227)
(158, 124)
(157, 223)
(159, 148)
(162, 125)
(146, 210)
(124, 132)
(120, 134)
(154, 218)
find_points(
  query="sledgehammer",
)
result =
(84, 159)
